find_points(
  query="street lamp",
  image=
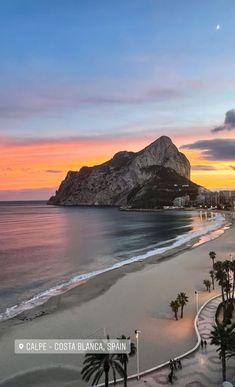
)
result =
(197, 300)
(137, 353)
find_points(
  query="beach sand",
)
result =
(133, 297)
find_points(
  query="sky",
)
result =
(82, 80)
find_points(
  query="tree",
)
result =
(175, 307)
(225, 276)
(223, 338)
(220, 277)
(212, 274)
(212, 255)
(232, 269)
(98, 364)
(231, 350)
(207, 284)
(124, 357)
(182, 299)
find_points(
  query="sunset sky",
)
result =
(81, 80)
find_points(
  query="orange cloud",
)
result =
(36, 164)
(28, 165)
(221, 174)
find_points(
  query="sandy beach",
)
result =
(133, 297)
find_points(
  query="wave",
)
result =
(213, 228)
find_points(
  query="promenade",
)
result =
(200, 369)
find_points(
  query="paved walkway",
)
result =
(200, 369)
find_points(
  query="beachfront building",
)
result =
(181, 201)
(220, 199)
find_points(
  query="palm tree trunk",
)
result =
(223, 365)
(233, 286)
(223, 302)
(125, 374)
(176, 316)
(182, 312)
(106, 378)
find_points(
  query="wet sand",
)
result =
(133, 297)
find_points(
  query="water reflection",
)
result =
(42, 246)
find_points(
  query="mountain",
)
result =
(152, 177)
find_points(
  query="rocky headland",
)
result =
(150, 178)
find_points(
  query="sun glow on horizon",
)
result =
(219, 174)
(45, 165)
(37, 166)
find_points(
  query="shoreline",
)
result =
(137, 298)
(49, 300)
(111, 275)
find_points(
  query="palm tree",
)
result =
(175, 307)
(212, 274)
(207, 284)
(124, 357)
(232, 268)
(182, 298)
(223, 337)
(98, 364)
(212, 255)
(227, 290)
(231, 349)
(222, 276)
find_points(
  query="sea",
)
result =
(46, 250)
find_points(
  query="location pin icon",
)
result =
(21, 345)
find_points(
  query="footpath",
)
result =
(202, 368)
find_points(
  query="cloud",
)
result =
(44, 99)
(218, 149)
(229, 122)
(34, 99)
(203, 168)
(232, 167)
(86, 139)
(54, 171)
(11, 141)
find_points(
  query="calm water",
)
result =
(43, 246)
